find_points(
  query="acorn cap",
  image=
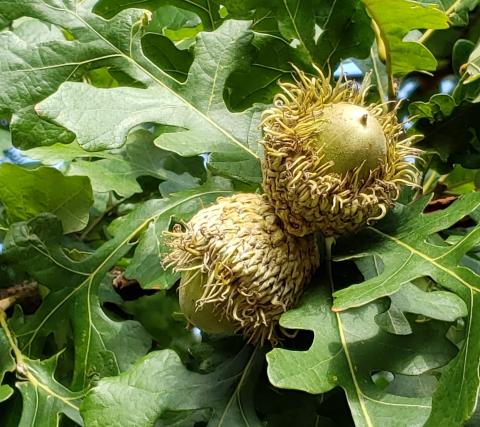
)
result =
(254, 270)
(332, 163)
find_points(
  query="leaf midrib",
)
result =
(358, 390)
(159, 82)
(427, 258)
(92, 275)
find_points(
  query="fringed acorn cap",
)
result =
(250, 270)
(333, 163)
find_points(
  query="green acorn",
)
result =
(333, 163)
(240, 270)
(206, 318)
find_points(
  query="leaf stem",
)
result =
(429, 184)
(329, 242)
(380, 90)
(16, 351)
(427, 34)
(22, 368)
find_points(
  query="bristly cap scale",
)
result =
(333, 163)
(250, 269)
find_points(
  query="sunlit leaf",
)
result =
(160, 388)
(347, 349)
(402, 243)
(405, 56)
(69, 198)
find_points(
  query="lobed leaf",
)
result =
(7, 364)
(69, 198)
(159, 388)
(402, 56)
(102, 118)
(403, 244)
(44, 399)
(449, 129)
(347, 349)
(79, 289)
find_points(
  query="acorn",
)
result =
(190, 291)
(240, 270)
(333, 163)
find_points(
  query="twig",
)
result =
(119, 280)
(10, 296)
(427, 34)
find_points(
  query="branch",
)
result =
(10, 296)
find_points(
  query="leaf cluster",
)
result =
(120, 118)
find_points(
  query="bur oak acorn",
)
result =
(240, 269)
(333, 163)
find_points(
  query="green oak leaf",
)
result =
(118, 171)
(347, 349)
(462, 180)
(32, 30)
(450, 130)
(207, 10)
(195, 106)
(402, 243)
(271, 60)
(146, 159)
(27, 193)
(168, 38)
(344, 29)
(106, 175)
(5, 392)
(39, 64)
(145, 265)
(7, 364)
(440, 305)
(456, 10)
(171, 18)
(159, 388)
(469, 84)
(57, 153)
(44, 398)
(235, 166)
(402, 56)
(158, 314)
(78, 289)
(345, 32)
(414, 299)
(166, 55)
(460, 54)
(299, 32)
